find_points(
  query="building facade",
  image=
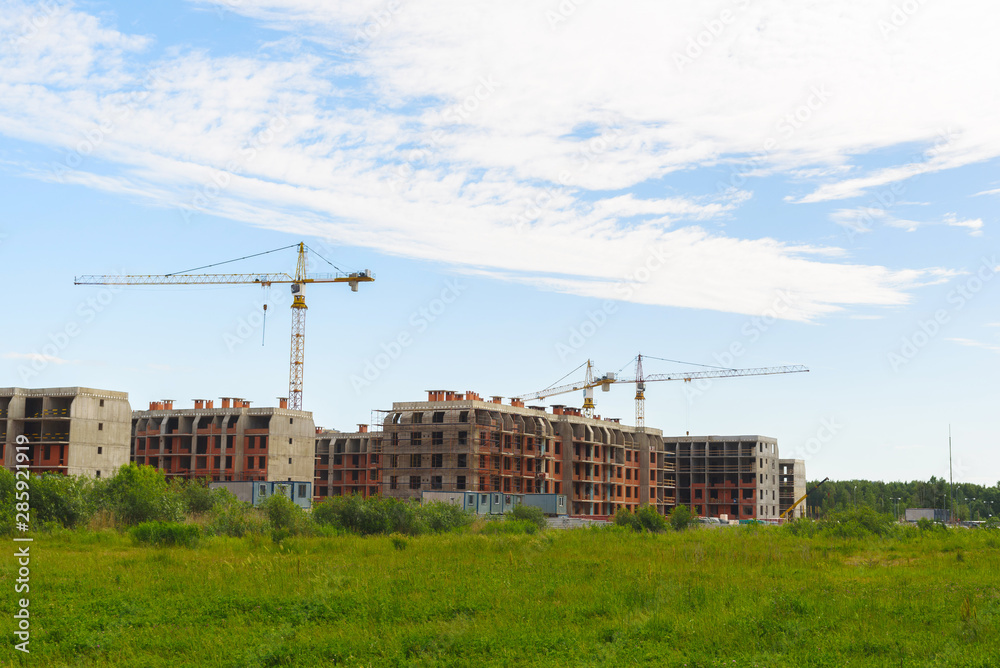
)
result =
(459, 442)
(792, 486)
(69, 430)
(348, 463)
(736, 477)
(231, 442)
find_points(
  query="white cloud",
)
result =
(482, 137)
(976, 344)
(973, 224)
(863, 219)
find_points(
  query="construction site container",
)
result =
(257, 491)
(551, 504)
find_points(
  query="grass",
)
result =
(736, 597)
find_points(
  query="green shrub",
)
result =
(231, 517)
(376, 515)
(651, 520)
(164, 534)
(680, 518)
(627, 519)
(441, 516)
(68, 501)
(140, 493)
(858, 523)
(8, 488)
(802, 526)
(531, 514)
(56, 500)
(196, 495)
(285, 515)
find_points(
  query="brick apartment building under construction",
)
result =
(348, 463)
(737, 477)
(230, 442)
(460, 442)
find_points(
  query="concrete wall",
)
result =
(291, 453)
(85, 431)
(99, 435)
(793, 486)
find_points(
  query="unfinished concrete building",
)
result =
(458, 442)
(791, 486)
(231, 442)
(348, 463)
(70, 430)
(735, 477)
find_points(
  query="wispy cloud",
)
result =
(976, 344)
(863, 219)
(481, 137)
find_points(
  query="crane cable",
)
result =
(263, 326)
(313, 251)
(567, 375)
(663, 359)
(245, 257)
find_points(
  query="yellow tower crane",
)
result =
(298, 284)
(606, 380)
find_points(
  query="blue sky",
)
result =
(533, 184)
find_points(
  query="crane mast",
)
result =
(640, 396)
(297, 362)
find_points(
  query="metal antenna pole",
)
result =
(951, 477)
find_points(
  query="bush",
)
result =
(858, 523)
(286, 516)
(163, 534)
(376, 515)
(531, 514)
(651, 520)
(7, 500)
(627, 519)
(680, 518)
(196, 495)
(362, 516)
(231, 517)
(140, 493)
(55, 500)
(925, 524)
(68, 501)
(803, 526)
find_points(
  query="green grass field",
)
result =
(725, 597)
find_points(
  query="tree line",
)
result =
(966, 501)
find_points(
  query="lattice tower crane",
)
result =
(606, 380)
(297, 282)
